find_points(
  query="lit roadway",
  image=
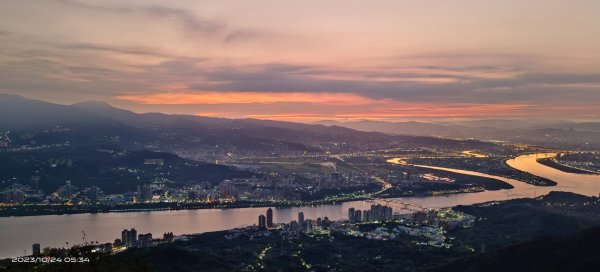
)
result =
(385, 185)
(340, 157)
(398, 204)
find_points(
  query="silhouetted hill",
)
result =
(95, 123)
(114, 171)
(18, 113)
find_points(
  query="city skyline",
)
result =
(349, 60)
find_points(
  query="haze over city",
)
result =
(311, 60)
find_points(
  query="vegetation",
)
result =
(112, 171)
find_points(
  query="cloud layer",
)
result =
(307, 62)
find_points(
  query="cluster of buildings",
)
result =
(17, 193)
(12, 195)
(270, 187)
(377, 213)
(380, 224)
(129, 239)
(434, 235)
(72, 193)
(265, 187)
(408, 178)
(282, 188)
(294, 226)
(587, 161)
(266, 221)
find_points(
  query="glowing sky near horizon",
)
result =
(309, 60)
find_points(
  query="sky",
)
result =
(309, 60)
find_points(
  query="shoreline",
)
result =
(551, 162)
(63, 209)
(190, 206)
(150, 207)
(42, 210)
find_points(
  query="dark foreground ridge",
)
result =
(577, 252)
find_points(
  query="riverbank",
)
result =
(41, 210)
(465, 184)
(551, 162)
(494, 166)
(63, 209)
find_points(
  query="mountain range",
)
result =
(560, 134)
(98, 124)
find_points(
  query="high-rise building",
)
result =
(351, 218)
(374, 213)
(133, 237)
(36, 250)
(367, 216)
(357, 216)
(129, 238)
(301, 218)
(389, 213)
(262, 221)
(12, 196)
(269, 218)
(125, 237)
(379, 213)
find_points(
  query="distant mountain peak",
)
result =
(93, 103)
(11, 97)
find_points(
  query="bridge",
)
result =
(397, 204)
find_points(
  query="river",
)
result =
(17, 234)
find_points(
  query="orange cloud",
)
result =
(214, 98)
(324, 105)
(392, 110)
(289, 117)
